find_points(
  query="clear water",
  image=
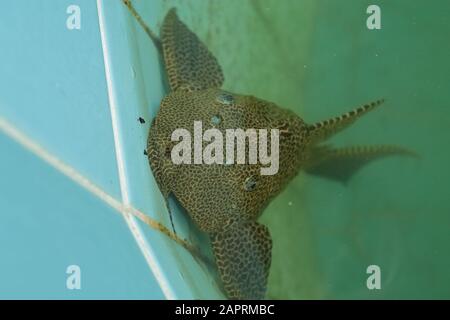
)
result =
(53, 94)
(319, 59)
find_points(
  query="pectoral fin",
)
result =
(243, 256)
(323, 130)
(340, 164)
(189, 63)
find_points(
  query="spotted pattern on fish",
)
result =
(208, 190)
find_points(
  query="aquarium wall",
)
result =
(83, 217)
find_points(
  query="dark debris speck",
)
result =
(141, 120)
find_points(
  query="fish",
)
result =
(226, 200)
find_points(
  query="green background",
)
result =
(319, 59)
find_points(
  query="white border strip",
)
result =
(131, 221)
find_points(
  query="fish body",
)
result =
(217, 194)
(226, 200)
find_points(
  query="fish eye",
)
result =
(216, 119)
(250, 183)
(225, 98)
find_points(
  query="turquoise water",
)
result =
(53, 91)
(48, 223)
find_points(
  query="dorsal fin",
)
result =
(323, 130)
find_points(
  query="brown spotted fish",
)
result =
(225, 201)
